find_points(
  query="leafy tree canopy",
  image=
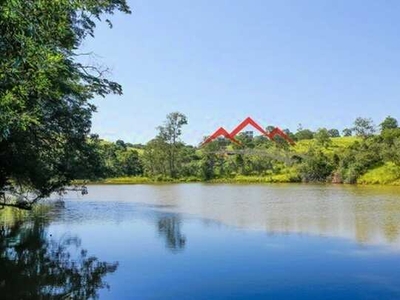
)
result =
(364, 127)
(45, 92)
(334, 133)
(389, 123)
(304, 134)
(347, 132)
(323, 137)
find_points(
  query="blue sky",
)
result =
(318, 63)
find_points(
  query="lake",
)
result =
(206, 241)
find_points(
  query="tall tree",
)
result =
(323, 137)
(45, 92)
(155, 157)
(170, 132)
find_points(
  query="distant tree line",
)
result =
(167, 157)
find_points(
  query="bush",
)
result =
(316, 167)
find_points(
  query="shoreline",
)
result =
(234, 180)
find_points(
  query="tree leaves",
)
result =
(45, 109)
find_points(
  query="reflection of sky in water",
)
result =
(193, 241)
(365, 214)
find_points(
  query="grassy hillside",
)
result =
(336, 144)
(388, 174)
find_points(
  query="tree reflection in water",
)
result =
(34, 265)
(170, 227)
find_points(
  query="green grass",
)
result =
(139, 180)
(345, 141)
(288, 175)
(139, 151)
(388, 174)
(281, 178)
(285, 176)
(116, 180)
(127, 180)
(336, 143)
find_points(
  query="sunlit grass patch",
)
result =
(144, 180)
(127, 180)
(336, 143)
(290, 175)
(389, 173)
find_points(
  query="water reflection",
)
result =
(35, 265)
(142, 227)
(170, 227)
(364, 214)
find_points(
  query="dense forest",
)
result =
(363, 153)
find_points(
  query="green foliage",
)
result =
(388, 173)
(322, 137)
(317, 167)
(45, 113)
(391, 149)
(322, 159)
(273, 178)
(166, 155)
(290, 134)
(212, 164)
(364, 127)
(304, 134)
(169, 135)
(357, 159)
(390, 135)
(129, 164)
(334, 133)
(392, 152)
(347, 132)
(389, 123)
(155, 157)
(110, 160)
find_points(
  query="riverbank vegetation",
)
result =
(46, 90)
(364, 154)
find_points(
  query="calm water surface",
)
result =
(200, 241)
